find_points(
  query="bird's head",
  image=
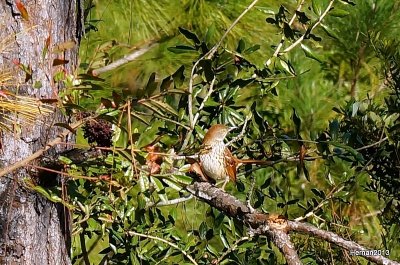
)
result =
(216, 133)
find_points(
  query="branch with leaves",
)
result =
(276, 228)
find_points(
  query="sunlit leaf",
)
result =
(309, 53)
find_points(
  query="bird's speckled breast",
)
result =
(209, 157)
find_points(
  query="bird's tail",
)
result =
(255, 162)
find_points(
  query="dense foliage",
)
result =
(325, 106)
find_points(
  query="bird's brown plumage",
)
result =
(215, 159)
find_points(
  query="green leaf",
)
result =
(159, 187)
(309, 53)
(182, 179)
(164, 106)
(203, 231)
(222, 236)
(65, 160)
(330, 32)
(241, 82)
(150, 133)
(151, 85)
(189, 35)
(172, 215)
(150, 106)
(358, 156)
(208, 71)
(348, 2)
(319, 193)
(287, 66)
(166, 83)
(210, 33)
(179, 77)
(336, 12)
(173, 185)
(252, 49)
(296, 121)
(213, 250)
(181, 49)
(334, 129)
(241, 46)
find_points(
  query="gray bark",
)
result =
(34, 230)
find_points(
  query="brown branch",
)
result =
(40, 152)
(351, 246)
(259, 223)
(275, 227)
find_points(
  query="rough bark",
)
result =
(34, 230)
(277, 228)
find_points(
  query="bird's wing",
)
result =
(230, 164)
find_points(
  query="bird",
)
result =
(215, 160)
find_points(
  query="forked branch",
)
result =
(276, 228)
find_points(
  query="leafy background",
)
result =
(334, 99)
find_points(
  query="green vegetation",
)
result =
(327, 109)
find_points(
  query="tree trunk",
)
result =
(34, 230)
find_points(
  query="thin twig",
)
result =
(233, 248)
(331, 237)
(208, 55)
(299, 40)
(170, 202)
(214, 49)
(132, 233)
(373, 144)
(330, 195)
(65, 174)
(203, 103)
(241, 134)
(40, 152)
(133, 162)
(83, 247)
(126, 59)
(280, 45)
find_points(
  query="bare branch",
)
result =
(170, 202)
(280, 45)
(40, 152)
(339, 241)
(241, 134)
(299, 40)
(215, 48)
(272, 226)
(203, 103)
(233, 248)
(208, 55)
(322, 203)
(132, 233)
(275, 227)
(126, 59)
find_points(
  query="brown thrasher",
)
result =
(215, 160)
